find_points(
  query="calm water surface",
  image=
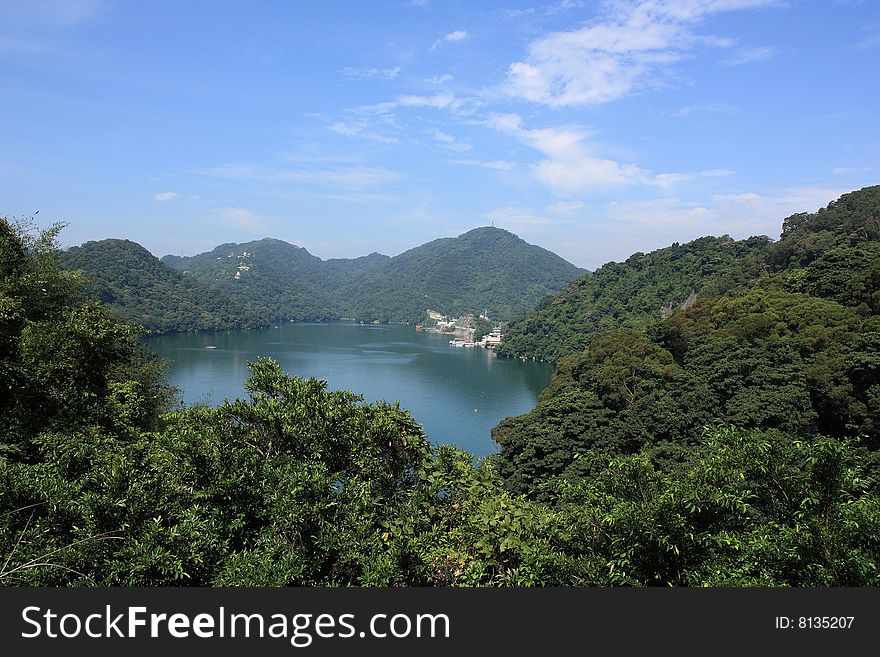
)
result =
(457, 394)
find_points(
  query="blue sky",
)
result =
(594, 129)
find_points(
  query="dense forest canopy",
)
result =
(729, 442)
(794, 348)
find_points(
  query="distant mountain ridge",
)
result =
(484, 270)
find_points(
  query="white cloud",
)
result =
(512, 14)
(738, 214)
(720, 108)
(440, 79)
(511, 214)
(585, 172)
(497, 165)
(625, 51)
(361, 130)
(449, 142)
(371, 73)
(437, 101)
(569, 166)
(838, 171)
(443, 137)
(670, 179)
(565, 207)
(162, 197)
(241, 219)
(770, 210)
(451, 37)
(749, 55)
(345, 178)
(644, 225)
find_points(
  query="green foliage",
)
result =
(289, 487)
(767, 359)
(66, 363)
(633, 294)
(750, 509)
(853, 219)
(482, 327)
(832, 253)
(747, 508)
(790, 345)
(142, 291)
(256, 283)
(484, 270)
(281, 282)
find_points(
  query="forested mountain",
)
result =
(271, 279)
(634, 293)
(143, 291)
(785, 338)
(268, 280)
(831, 253)
(485, 269)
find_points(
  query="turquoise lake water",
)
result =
(457, 394)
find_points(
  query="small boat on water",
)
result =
(210, 346)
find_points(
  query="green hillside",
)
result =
(634, 293)
(269, 278)
(141, 290)
(782, 337)
(485, 269)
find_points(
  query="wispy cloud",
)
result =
(497, 165)
(567, 166)
(451, 37)
(360, 129)
(719, 108)
(51, 13)
(546, 10)
(162, 197)
(344, 178)
(370, 73)
(242, 219)
(738, 214)
(750, 55)
(511, 214)
(513, 14)
(440, 79)
(438, 101)
(625, 51)
(565, 207)
(448, 142)
(670, 179)
(570, 167)
(839, 171)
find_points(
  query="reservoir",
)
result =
(456, 394)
